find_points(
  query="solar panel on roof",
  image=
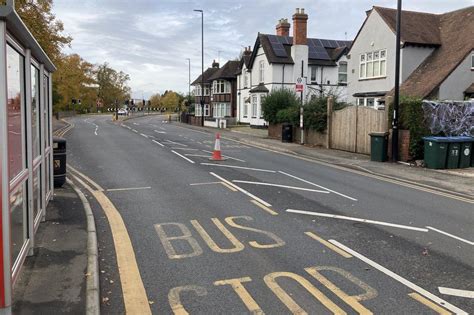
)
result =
(280, 52)
(273, 39)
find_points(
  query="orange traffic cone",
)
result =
(216, 155)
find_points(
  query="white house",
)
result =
(436, 56)
(276, 61)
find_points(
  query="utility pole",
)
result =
(202, 66)
(396, 97)
(189, 76)
(116, 109)
(301, 108)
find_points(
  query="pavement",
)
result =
(274, 228)
(53, 280)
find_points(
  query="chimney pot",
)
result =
(283, 27)
(300, 25)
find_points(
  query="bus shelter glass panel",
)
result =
(16, 151)
(35, 114)
(47, 134)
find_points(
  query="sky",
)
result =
(151, 39)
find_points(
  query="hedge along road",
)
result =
(214, 239)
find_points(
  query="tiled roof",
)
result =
(227, 71)
(207, 74)
(456, 33)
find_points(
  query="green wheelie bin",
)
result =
(454, 152)
(466, 151)
(378, 146)
(436, 152)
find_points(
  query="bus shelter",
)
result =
(26, 157)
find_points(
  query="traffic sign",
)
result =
(299, 87)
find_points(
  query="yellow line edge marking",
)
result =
(329, 245)
(438, 309)
(263, 207)
(134, 294)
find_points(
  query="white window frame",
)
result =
(314, 71)
(246, 109)
(342, 63)
(376, 61)
(246, 80)
(220, 87)
(261, 71)
(197, 110)
(254, 106)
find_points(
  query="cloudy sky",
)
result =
(151, 39)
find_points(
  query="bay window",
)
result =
(220, 87)
(221, 110)
(254, 106)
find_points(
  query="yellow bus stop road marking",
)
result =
(328, 245)
(438, 309)
(134, 294)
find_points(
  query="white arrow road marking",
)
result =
(400, 279)
(281, 186)
(457, 292)
(342, 217)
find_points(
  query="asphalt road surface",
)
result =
(262, 232)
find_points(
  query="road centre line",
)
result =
(134, 130)
(328, 245)
(385, 178)
(263, 207)
(281, 186)
(184, 149)
(316, 185)
(226, 156)
(239, 167)
(451, 235)
(133, 291)
(161, 132)
(158, 143)
(241, 189)
(180, 155)
(342, 217)
(144, 135)
(400, 279)
(456, 292)
(129, 188)
(177, 143)
(429, 304)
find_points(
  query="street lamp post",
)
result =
(396, 96)
(189, 76)
(202, 65)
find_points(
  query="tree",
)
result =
(112, 85)
(155, 100)
(75, 79)
(170, 101)
(42, 23)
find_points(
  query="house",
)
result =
(276, 61)
(202, 90)
(223, 85)
(436, 56)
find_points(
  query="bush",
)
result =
(277, 100)
(412, 119)
(316, 112)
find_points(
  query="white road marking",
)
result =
(198, 155)
(134, 130)
(96, 128)
(456, 292)
(136, 124)
(157, 131)
(129, 188)
(209, 183)
(189, 129)
(143, 135)
(282, 186)
(177, 143)
(184, 149)
(451, 235)
(180, 155)
(226, 156)
(400, 279)
(239, 167)
(241, 189)
(316, 185)
(342, 217)
(158, 143)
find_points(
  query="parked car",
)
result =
(122, 112)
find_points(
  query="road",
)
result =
(262, 232)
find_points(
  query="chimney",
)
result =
(300, 23)
(215, 64)
(283, 28)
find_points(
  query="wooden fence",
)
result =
(350, 127)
